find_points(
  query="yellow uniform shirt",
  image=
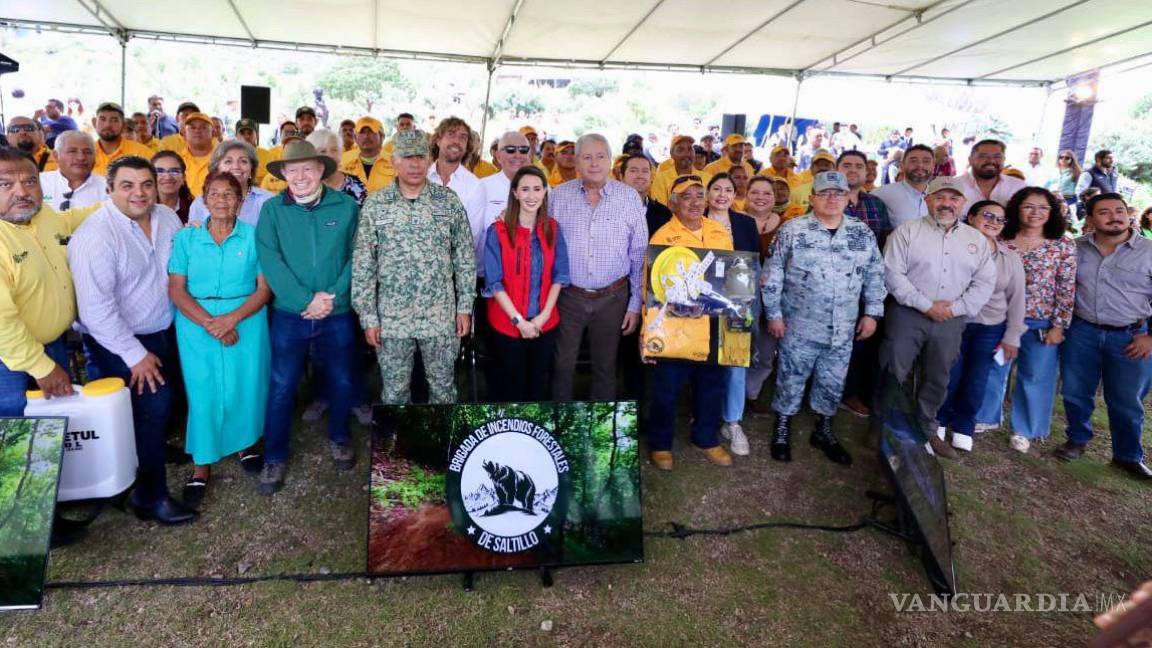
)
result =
(792, 212)
(46, 157)
(555, 178)
(794, 179)
(387, 150)
(37, 297)
(272, 184)
(383, 173)
(662, 182)
(483, 168)
(176, 143)
(348, 156)
(711, 235)
(263, 157)
(127, 147)
(665, 165)
(152, 144)
(724, 164)
(196, 170)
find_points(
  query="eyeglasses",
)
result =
(174, 171)
(831, 193)
(1034, 209)
(67, 200)
(21, 128)
(1064, 157)
(512, 150)
(994, 217)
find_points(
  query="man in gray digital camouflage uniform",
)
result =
(821, 265)
(414, 275)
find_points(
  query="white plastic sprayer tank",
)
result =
(100, 445)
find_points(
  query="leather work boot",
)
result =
(824, 439)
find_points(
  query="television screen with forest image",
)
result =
(30, 454)
(473, 487)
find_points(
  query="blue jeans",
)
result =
(968, 380)
(991, 411)
(14, 384)
(734, 380)
(1088, 355)
(150, 412)
(667, 380)
(1035, 389)
(292, 335)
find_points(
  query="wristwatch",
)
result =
(516, 320)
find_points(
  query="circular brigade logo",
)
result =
(507, 485)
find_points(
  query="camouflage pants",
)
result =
(826, 364)
(395, 356)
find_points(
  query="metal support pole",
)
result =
(123, 69)
(487, 98)
(1036, 139)
(792, 130)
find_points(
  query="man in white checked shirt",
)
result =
(119, 259)
(604, 225)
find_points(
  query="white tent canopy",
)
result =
(1020, 42)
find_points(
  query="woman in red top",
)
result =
(525, 266)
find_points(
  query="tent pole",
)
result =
(487, 99)
(1043, 114)
(123, 37)
(792, 130)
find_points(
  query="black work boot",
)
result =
(823, 438)
(782, 438)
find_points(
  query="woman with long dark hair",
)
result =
(525, 266)
(991, 337)
(1034, 229)
(721, 196)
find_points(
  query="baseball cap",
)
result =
(778, 148)
(197, 116)
(305, 110)
(823, 154)
(682, 183)
(247, 123)
(371, 123)
(566, 144)
(413, 143)
(187, 105)
(680, 138)
(941, 183)
(526, 130)
(734, 138)
(829, 180)
(110, 105)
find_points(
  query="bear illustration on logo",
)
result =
(511, 486)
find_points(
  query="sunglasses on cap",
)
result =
(684, 179)
(512, 150)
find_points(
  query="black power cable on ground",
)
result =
(675, 531)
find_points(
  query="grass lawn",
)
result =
(1021, 524)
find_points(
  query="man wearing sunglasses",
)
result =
(606, 233)
(27, 136)
(512, 153)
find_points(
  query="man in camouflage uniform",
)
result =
(820, 265)
(414, 274)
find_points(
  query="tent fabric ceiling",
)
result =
(972, 41)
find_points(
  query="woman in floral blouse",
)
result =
(1035, 230)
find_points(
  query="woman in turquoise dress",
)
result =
(218, 287)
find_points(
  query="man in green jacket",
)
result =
(304, 239)
(414, 275)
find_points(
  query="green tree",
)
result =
(596, 87)
(367, 83)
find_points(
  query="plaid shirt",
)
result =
(871, 211)
(605, 243)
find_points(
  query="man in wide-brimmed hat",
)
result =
(304, 239)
